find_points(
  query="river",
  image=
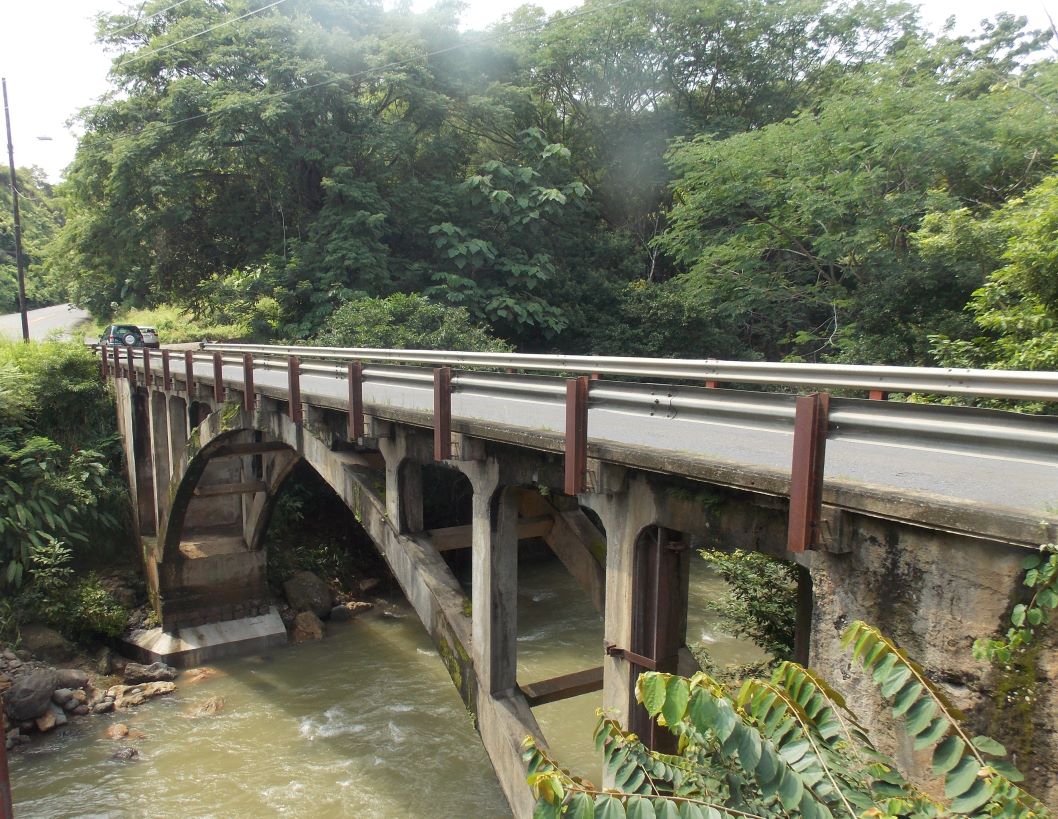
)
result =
(365, 723)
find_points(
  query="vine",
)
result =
(1017, 653)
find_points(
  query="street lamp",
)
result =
(18, 223)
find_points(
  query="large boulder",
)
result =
(46, 643)
(155, 672)
(307, 626)
(71, 678)
(30, 694)
(306, 592)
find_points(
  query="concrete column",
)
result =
(494, 578)
(160, 441)
(178, 429)
(403, 482)
(143, 446)
(626, 508)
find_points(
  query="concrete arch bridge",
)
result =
(911, 516)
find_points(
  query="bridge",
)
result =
(912, 516)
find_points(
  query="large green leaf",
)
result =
(961, 777)
(580, 806)
(677, 695)
(639, 808)
(609, 807)
(947, 754)
(790, 790)
(650, 689)
(979, 793)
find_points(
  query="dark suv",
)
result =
(121, 335)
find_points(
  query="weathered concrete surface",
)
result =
(189, 647)
(934, 594)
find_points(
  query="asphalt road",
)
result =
(1021, 481)
(59, 319)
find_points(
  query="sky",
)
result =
(54, 67)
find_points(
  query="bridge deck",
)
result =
(1015, 485)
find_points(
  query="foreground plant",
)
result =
(788, 746)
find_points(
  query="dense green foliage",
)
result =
(404, 322)
(761, 601)
(788, 746)
(798, 234)
(42, 216)
(660, 177)
(1017, 308)
(63, 502)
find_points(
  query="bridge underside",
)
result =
(204, 474)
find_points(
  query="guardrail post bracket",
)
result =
(442, 413)
(806, 478)
(576, 434)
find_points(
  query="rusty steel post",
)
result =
(147, 375)
(711, 384)
(218, 378)
(167, 376)
(103, 364)
(355, 379)
(189, 373)
(117, 363)
(442, 413)
(576, 464)
(132, 367)
(248, 396)
(294, 409)
(879, 395)
(806, 477)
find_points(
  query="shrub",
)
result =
(762, 603)
(788, 746)
(404, 321)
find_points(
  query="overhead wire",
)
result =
(167, 46)
(368, 71)
(139, 20)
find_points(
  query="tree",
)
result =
(797, 236)
(1017, 307)
(503, 259)
(42, 217)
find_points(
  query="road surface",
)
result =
(986, 474)
(60, 319)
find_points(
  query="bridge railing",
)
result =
(1002, 384)
(424, 381)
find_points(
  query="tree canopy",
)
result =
(766, 179)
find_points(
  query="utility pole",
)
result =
(19, 263)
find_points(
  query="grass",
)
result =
(176, 326)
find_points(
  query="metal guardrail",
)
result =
(800, 425)
(1003, 384)
(894, 423)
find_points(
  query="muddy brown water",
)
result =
(365, 723)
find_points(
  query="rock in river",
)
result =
(155, 672)
(307, 626)
(30, 695)
(306, 592)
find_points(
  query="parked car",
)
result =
(150, 337)
(122, 335)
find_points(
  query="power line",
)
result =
(137, 21)
(143, 54)
(369, 71)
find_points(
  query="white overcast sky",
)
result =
(54, 67)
